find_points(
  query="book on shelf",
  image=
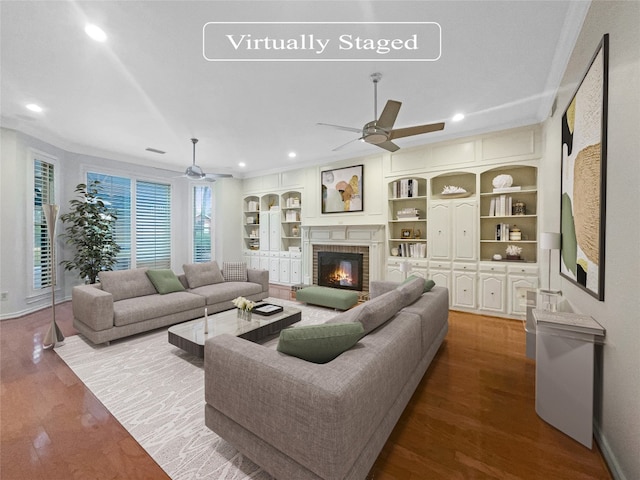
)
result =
(501, 206)
(405, 188)
(416, 250)
(502, 232)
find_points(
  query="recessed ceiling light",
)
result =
(242, 164)
(457, 117)
(293, 154)
(34, 108)
(95, 32)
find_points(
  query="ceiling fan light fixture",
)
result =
(373, 134)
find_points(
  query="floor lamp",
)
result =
(54, 336)
(549, 241)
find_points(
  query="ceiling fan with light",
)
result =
(194, 172)
(380, 132)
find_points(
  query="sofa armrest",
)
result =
(259, 276)
(378, 287)
(92, 306)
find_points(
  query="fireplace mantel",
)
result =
(372, 236)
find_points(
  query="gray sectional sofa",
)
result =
(126, 302)
(304, 420)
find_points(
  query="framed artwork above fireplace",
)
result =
(342, 189)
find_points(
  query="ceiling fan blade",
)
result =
(389, 146)
(389, 114)
(345, 144)
(417, 130)
(340, 127)
(215, 176)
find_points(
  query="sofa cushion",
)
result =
(380, 309)
(165, 281)
(199, 274)
(134, 310)
(227, 291)
(123, 284)
(411, 290)
(428, 284)
(319, 343)
(234, 271)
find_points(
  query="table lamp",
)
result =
(405, 268)
(549, 241)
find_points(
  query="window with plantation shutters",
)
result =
(115, 192)
(201, 216)
(153, 225)
(43, 184)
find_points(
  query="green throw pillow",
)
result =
(165, 281)
(320, 343)
(428, 284)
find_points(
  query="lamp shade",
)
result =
(405, 267)
(549, 241)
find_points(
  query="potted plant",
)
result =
(89, 229)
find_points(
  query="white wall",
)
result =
(15, 173)
(618, 402)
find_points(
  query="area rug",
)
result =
(156, 391)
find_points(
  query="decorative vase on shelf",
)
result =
(295, 230)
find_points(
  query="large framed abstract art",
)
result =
(342, 190)
(584, 167)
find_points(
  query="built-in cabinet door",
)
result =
(285, 270)
(274, 268)
(440, 231)
(518, 288)
(254, 262)
(393, 273)
(274, 231)
(464, 290)
(492, 293)
(296, 271)
(442, 278)
(464, 231)
(264, 231)
(264, 262)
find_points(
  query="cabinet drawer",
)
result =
(465, 267)
(493, 267)
(523, 269)
(440, 265)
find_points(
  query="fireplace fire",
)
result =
(340, 270)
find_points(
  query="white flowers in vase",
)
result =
(243, 304)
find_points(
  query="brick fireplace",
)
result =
(334, 254)
(365, 240)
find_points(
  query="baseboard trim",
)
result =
(607, 453)
(29, 310)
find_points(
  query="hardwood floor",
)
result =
(472, 416)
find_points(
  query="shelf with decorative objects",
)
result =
(508, 214)
(272, 235)
(251, 225)
(407, 220)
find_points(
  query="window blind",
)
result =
(43, 180)
(153, 225)
(201, 223)
(115, 192)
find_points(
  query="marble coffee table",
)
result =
(190, 336)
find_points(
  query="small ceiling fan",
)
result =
(380, 132)
(194, 172)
